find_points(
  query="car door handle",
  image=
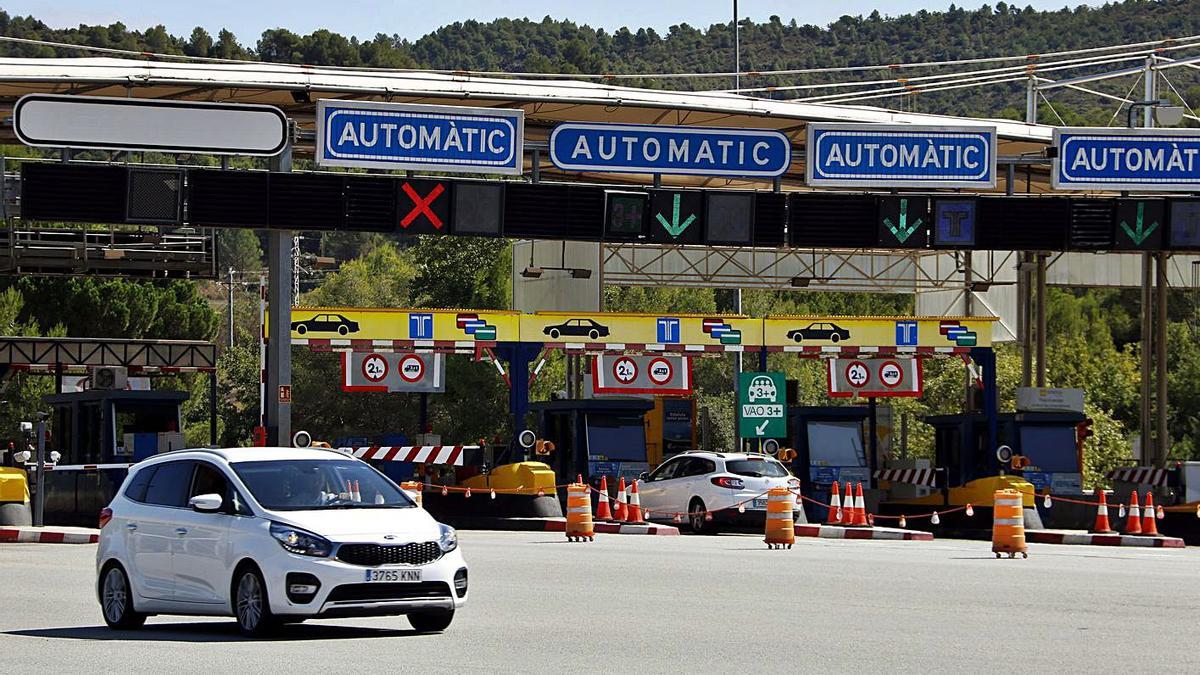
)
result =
(131, 526)
(181, 531)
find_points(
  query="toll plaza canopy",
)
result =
(296, 89)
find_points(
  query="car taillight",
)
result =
(105, 516)
(727, 482)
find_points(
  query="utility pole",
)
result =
(737, 49)
(229, 309)
(737, 292)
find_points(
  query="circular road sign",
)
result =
(857, 374)
(660, 371)
(527, 438)
(375, 368)
(891, 374)
(412, 368)
(625, 370)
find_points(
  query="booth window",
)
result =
(836, 444)
(618, 438)
(1050, 448)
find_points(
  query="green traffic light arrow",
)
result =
(1141, 233)
(903, 232)
(675, 228)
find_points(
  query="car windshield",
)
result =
(756, 468)
(312, 484)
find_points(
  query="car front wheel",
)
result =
(798, 338)
(554, 334)
(250, 604)
(431, 622)
(116, 599)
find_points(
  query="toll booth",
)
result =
(831, 445)
(1047, 440)
(595, 437)
(670, 428)
(105, 426)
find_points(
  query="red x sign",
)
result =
(421, 205)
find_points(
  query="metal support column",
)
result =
(737, 369)
(1162, 440)
(518, 355)
(985, 359)
(968, 310)
(1147, 349)
(212, 407)
(279, 320)
(1031, 105)
(1041, 319)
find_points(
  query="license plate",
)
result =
(393, 575)
(760, 503)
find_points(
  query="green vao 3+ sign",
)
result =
(762, 405)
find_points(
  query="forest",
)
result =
(1094, 333)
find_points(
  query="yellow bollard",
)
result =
(1008, 524)
(781, 529)
(579, 513)
(413, 488)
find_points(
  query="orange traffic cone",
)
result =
(1102, 526)
(835, 505)
(603, 512)
(1134, 524)
(622, 511)
(1149, 527)
(848, 506)
(635, 506)
(860, 506)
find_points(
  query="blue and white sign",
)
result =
(1127, 159)
(419, 137)
(655, 149)
(900, 156)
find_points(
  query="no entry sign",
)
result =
(874, 377)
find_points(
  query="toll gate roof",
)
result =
(296, 88)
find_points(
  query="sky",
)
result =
(365, 18)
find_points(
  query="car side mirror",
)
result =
(205, 503)
(643, 476)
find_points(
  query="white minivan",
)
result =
(271, 536)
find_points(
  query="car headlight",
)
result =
(447, 539)
(300, 542)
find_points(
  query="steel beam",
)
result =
(279, 318)
(1162, 440)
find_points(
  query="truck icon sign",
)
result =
(762, 389)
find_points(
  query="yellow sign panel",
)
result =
(597, 330)
(679, 330)
(799, 332)
(416, 325)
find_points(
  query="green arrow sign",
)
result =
(1140, 232)
(675, 228)
(903, 231)
(762, 405)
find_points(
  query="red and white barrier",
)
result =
(923, 477)
(1088, 539)
(422, 454)
(834, 532)
(1141, 475)
(38, 535)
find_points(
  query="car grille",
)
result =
(384, 592)
(371, 555)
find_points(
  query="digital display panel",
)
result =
(625, 214)
(730, 218)
(478, 208)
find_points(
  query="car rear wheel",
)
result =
(301, 329)
(250, 605)
(594, 334)
(116, 600)
(431, 622)
(835, 337)
(697, 513)
(342, 330)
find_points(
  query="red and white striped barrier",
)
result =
(422, 454)
(83, 467)
(619, 528)
(1141, 475)
(38, 535)
(1088, 539)
(883, 533)
(924, 477)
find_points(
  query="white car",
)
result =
(271, 536)
(694, 483)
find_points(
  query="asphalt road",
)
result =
(634, 605)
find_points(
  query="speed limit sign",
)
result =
(375, 368)
(625, 370)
